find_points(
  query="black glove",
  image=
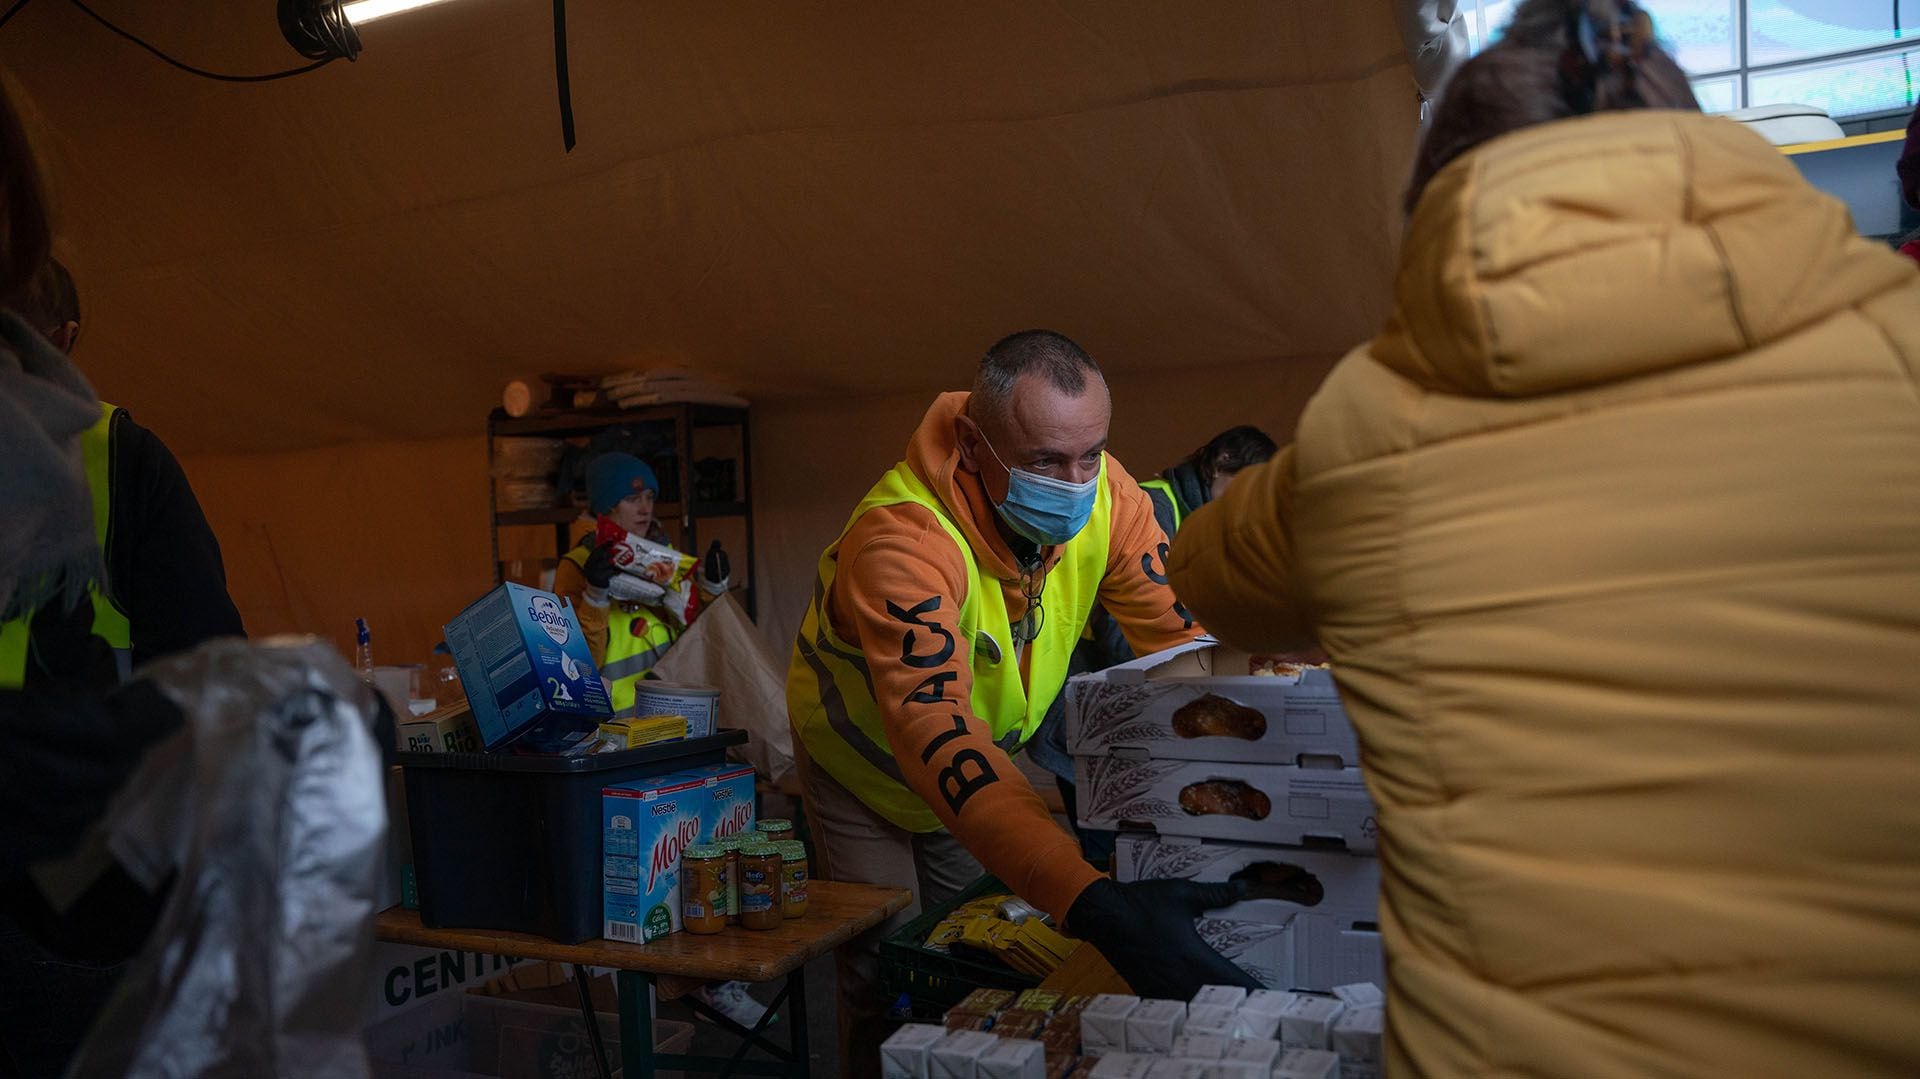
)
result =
(716, 568)
(1145, 929)
(599, 569)
(65, 654)
(63, 756)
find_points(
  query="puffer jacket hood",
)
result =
(1612, 247)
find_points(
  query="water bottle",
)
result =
(363, 650)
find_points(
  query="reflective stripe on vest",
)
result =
(830, 697)
(1166, 490)
(635, 642)
(109, 622)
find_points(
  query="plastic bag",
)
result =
(269, 806)
(670, 569)
(724, 651)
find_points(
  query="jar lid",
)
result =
(759, 849)
(735, 842)
(775, 825)
(791, 850)
(702, 852)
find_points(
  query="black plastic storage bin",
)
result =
(513, 842)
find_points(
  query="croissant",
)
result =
(1225, 797)
(1214, 716)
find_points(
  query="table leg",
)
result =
(581, 979)
(636, 1024)
(797, 1015)
(755, 1036)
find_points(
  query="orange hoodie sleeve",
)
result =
(897, 594)
(1135, 590)
(1233, 563)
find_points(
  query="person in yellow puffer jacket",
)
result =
(1613, 535)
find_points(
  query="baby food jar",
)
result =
(703, 889)
(760, 886)
(776, 830)
(793, 878)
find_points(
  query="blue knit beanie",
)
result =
(614, 476)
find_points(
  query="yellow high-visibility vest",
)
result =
(830, 698)
(1166, 489)
(109, 621)
(636, 640)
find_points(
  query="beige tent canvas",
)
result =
(313, 289)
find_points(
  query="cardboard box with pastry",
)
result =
(1207, 702)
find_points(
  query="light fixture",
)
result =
(325, 29)
(318, 30)
(362, 12)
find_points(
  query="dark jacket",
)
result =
(1190, 489)
(163, 561)
(69, 739)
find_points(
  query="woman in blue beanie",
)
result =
(629, 618)
(624, 616)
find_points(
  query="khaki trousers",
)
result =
(853, 843)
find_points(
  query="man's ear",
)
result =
(65, 336)
(967, 434)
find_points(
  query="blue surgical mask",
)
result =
(1042, 509)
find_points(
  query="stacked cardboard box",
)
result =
(1211, 773)
(1225, 1032)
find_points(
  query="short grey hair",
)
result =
(1042, 353)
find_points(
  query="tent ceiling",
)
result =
(802, 199)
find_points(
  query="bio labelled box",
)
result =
(1201, 702)
(646, 824)
(522, 660)
(1250, 803)
(1329, 900)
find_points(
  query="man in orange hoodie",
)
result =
(941, 626)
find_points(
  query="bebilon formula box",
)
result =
(645, 826)
(522, 660)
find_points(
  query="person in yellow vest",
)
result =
(625, 623)
(628, 620)
(165, 586)
(938, 636)
(70, 732)
(1205, 474)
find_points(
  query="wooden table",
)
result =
(836, 913)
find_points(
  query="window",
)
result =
(1849, 57)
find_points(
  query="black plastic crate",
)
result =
(513, 842)
(935, 981)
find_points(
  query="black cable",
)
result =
(12, 11)
(189, 68)
(560, 72)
